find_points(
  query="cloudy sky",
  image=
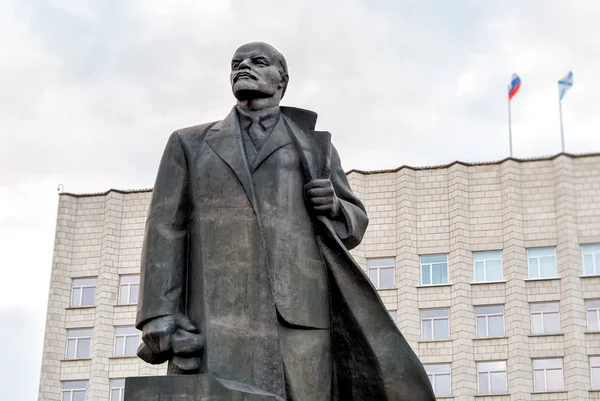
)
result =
(91, 89)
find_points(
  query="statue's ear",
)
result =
(285, 78)
(283, 83)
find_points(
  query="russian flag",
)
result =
(513, 88)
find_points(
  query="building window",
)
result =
(127, 339)
(439, 376)
(592, 307)
(83, 291)
(129, 287)
(591, 259)
(595, 368)
(490, 321)
(545, 318)
(117, 389)
(435, 324)
(79, 343)
(542, 262)
(491, 377)
(547, 375)
(487, 266)
(74, 390)
(392, 314)
(434, 269)
(381, 272)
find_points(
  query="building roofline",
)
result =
(119, 191)
(490, 163)
(371, 172)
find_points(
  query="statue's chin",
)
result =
(245, 93)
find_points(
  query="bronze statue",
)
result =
(246, 273)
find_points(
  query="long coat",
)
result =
(231, 244)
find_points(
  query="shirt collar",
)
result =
(268, 117)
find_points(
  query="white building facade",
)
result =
(491, 271)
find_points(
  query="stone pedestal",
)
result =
(191, 388)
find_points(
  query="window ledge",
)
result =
(595, 390)
(547, 335)
(123, 357)
(75, 359)
(543, 279)
(120, 305)
(590, 276)
(550, 392)
(490, 338)
(434, 285)
(488, 282)
(491, 395)
(449, 397)
(446, 340)
(81, 307)
(592, 333)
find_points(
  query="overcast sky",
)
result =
(90, 91)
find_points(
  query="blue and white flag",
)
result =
(565, 84)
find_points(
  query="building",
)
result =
(491, 271)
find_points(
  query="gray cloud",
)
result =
(423, 82)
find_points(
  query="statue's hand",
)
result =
(157, 333)
(321, 198)
(186, 350)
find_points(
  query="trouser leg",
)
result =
(307, 363)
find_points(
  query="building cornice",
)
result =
(118, 191)
(474, 164)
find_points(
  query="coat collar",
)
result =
(225, 139)
(306, 120)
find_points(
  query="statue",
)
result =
(246, 274)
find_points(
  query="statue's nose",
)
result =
(245, 64)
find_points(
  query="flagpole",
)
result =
(562, 133)
(509, 126)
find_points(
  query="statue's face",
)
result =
(255, 72)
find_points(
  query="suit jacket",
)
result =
(232, 246)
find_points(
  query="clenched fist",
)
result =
(172, 336)
(321, 198)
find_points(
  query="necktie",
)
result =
(257, 133)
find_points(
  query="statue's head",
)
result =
(258, 70)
